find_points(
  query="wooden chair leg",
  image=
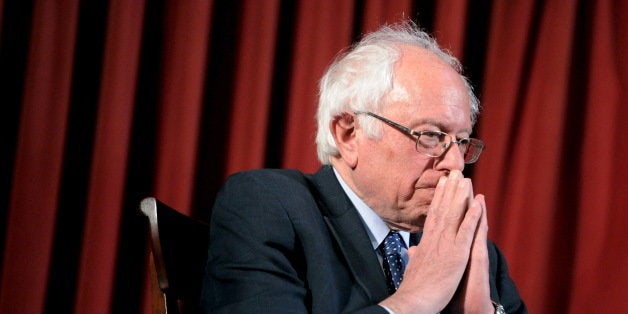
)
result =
(158, 298)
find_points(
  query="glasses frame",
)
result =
(478, 144)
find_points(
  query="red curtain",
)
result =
(104, 103)
(554, 104)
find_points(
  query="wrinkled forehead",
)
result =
(421, 69)
(426, 87)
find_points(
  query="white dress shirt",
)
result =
(375, 226)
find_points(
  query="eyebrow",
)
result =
(439, 125)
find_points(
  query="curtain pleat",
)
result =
(598, 165)
(450, 20)
(551, 98)
(378, 12)
(526, 190)
(38, 159)
(254, 77)
(185, 93)
(110, 158)
(185, 43)
(322, 29)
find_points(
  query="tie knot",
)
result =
(392, 243)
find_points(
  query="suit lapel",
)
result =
(345, 224)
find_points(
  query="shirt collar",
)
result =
(375, 226)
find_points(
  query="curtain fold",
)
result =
(450, 22)
(602, 161)
(184, 46)
(110, 157)
(253, 74)
(529, 201)
(550, 101)
(376, 12)
(38, 157)
(322, 29)
(114, 101)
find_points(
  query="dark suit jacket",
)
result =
(285, 242)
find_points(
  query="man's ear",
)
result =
(344, 130)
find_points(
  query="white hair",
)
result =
(359, 78)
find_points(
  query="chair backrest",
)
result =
(178, 254)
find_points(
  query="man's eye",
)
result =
(431, 134)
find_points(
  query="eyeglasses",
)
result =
(436, 143)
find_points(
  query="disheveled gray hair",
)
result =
(359, 78)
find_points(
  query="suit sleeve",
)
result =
(503, 289)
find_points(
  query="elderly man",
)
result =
(388, 224)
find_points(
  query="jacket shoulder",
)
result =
(269, 178)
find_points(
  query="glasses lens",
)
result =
(432, 143)
(472, 150)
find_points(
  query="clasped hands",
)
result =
(452, 252)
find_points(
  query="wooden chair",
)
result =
(178, 255)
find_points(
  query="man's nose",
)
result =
(452, 159)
